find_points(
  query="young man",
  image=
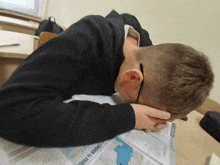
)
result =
(93, 56)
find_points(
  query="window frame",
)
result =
(34, 14)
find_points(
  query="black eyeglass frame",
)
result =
(141, 67)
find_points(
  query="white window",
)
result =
(31, 8)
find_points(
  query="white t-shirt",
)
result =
(131, 31)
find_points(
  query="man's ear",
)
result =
(133, 75)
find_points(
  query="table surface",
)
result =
(193, 145)
(18, 22)
(26, 42)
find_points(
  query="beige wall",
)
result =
(195, 23)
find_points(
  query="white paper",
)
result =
(214, 160)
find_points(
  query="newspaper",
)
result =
(132, 148)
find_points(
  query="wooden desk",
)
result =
(17, 25)
(11, 57)
(193, 145)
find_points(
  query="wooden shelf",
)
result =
(17, 25)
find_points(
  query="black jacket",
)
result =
(84, 59)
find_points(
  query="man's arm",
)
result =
(48, 122)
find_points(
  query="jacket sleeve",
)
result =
(47, 122)
(32, 111)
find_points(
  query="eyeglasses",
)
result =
(141, 66)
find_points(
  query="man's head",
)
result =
(177, 78)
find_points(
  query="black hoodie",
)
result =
(84, 59)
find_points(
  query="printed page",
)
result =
(11, 153)
(137, 147)
(85, 154)
(214, 160)
(155, 147)
(118, 152)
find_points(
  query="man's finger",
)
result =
(158, 121)
(152, 112)
(170, 120)
(161, 126)
(150, 121)
(155, 129)
(146, 130)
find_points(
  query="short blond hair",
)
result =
(184, 74)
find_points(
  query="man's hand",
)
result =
(149, 119)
